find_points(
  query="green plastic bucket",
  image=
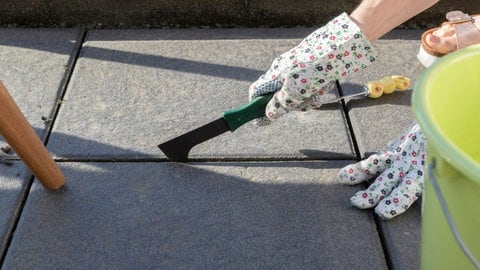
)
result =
(446, 102)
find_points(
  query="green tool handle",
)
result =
(245, 113)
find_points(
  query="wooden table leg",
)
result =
(20, 135)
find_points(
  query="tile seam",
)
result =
(377, 221)
(61, 93)
(65, 82)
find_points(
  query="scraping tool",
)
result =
(177, 149)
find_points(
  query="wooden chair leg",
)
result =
(20, 135)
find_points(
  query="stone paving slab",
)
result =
(132, 90)
(261, 215)
(33, 64)
(127, 92)
(402, 238)
(377, 121)
(14, 182)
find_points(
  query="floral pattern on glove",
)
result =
(326, 55)
(399, 171)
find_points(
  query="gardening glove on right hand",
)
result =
(300, 76)
(399, 171)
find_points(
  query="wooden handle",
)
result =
(20, 135)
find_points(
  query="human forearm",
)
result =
(378, 17)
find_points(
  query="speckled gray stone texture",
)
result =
(375, 122)
(33, 63)
(132, 90)
(275, 215)
(402, 238)
(124, 207)
(14, 182)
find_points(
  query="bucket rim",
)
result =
(463, 163)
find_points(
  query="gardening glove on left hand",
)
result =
(399, 171)
(309, 70)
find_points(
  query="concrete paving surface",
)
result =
(256, 198)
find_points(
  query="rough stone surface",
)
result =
(210, 215)
(402, 238)
(377, 121)
(14, 181)
(33, 66)
(125, 98)
(125, 206)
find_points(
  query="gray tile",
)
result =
(33, 63)
(130, 92)
(402, 238)
(276, 215)
(14, 181)
(375, 122)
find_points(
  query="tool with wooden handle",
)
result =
(20, 135)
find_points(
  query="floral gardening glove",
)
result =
(399, 175)
(310, 70)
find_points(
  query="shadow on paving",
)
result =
(155, 61)
(148, 60)
(161, 214)
(171, 215)
(175, 64)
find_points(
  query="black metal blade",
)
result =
(177, 149)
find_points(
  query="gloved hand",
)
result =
(310, 69)
(399, 171)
